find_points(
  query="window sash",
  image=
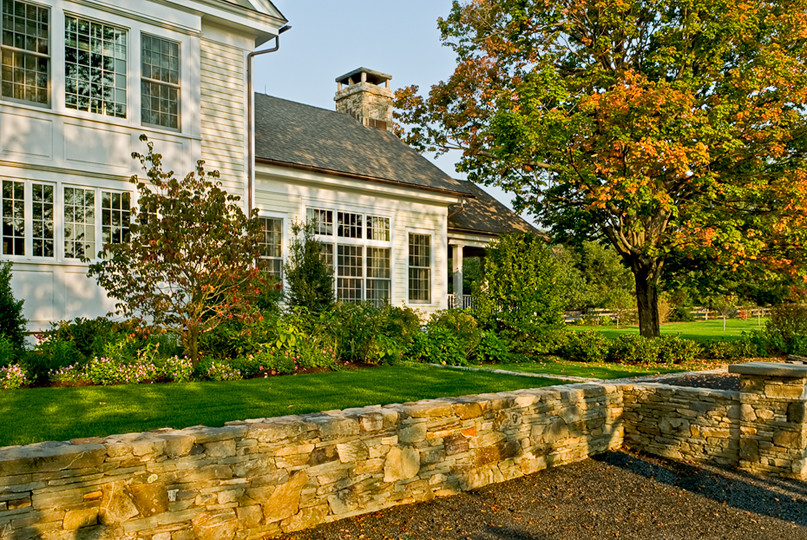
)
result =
(42, 228)
(160, 81)
(115, 217)
(271, 247)
(12, 212)
(95, 67)
(79, 222)
(419, 268)
(25, 52)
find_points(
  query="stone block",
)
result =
(116, 504)
(218, 525)
(335, 427)
(285, 500)
(306, 518)
(788, 439)
(371, 421)
(249, 517)
(220, 449)
(468, 410)
(76, 519)
(456, 444)
(412, 433)
(50, 457)
(401, 464)
(352, 452)
(149, 499)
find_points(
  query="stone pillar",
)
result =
(456, 257)
(773, 431)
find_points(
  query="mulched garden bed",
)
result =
(614, 495)
(718, 381)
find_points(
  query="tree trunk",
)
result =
(646, 272)
(191, 342)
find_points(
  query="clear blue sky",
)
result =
(331, 37)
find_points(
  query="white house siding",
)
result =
(223, 106)
(287, 193)
(65, 147)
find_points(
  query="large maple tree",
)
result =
(673, 129)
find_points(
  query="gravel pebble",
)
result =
(614, 495)
(720, 381)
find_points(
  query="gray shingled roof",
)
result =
(297, 134)
(484, 214)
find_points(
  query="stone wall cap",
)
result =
(773, 369)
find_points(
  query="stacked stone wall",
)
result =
(692, 424)
(260, 478)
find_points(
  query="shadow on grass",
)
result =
(778, 498)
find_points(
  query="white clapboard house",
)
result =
(83, 79)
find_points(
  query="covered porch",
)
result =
(465, 265)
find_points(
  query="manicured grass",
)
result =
(599, 370)
(697, 331)
(42, 414)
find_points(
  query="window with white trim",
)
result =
(25, 52)
(95, 67)
(13, 216)
(160, 84)
(115, 217)
(420, 268)
(271, 247)
(42, 204)
(79, 222)
(357, 247)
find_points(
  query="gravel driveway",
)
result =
(614, 495)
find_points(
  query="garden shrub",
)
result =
(585, 347)
(675, 350)
(492, 349)
(787, 328)
(719, 349)
(462, 325)
(438, 345)
(215, 370)
(634, 350)
(309, 277)
(9, 353)
(175, 369)
(51, 355)
(365, 333)
(12, 322)
(519, 297)
(12, 376)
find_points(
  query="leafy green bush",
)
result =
(492, 349)
(462, 325)
(787, 328)
(634, 350)
(308, 275)
(438, 345)
(365, 333)
(176, 369)
(9, 353)
(730, 350)
(585, 347)
(49, 356)
(674, 350)
(519, 297)
(12, 322)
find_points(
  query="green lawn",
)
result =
(698, 331)
(42, 414)
(596, 370)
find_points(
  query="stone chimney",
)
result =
(365, 95)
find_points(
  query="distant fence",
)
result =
(699, 314)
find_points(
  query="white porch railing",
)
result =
(454, 302)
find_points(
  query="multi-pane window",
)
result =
(378, 228)
(25, 51)
(79, 222)
(356, 248)
(348, 225)
(322, 220)
(160, 82)
(42, 222)
(349, 273)
(419, 268)
(378, 275)
(115, 215)
(13, 215)
(271, 247)
(95, 67)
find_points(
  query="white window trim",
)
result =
(50, 56)
(431, 234)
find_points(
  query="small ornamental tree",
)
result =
(309, 277)
(520, 295)
(190, 261)
(12, 322)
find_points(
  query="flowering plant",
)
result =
(12, 377)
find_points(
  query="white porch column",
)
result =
(456, 259)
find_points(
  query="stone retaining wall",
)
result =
(692, 424)
(262, 477)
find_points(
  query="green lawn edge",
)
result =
(57, 414)
(698, 330)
